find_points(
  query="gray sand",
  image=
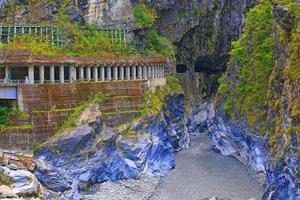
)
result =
(201, 173)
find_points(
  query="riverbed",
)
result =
(200, 173)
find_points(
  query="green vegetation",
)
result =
(87, 40)
(261, 89)
(253, 53)
(155, 44)
(5, 180)
(196, 11)
(144, 16)
(72, 120)
(4, 115)
(12, 117)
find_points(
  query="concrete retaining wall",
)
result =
(48, 103)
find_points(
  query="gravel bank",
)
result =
(141, 189)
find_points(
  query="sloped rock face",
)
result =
(93, 154)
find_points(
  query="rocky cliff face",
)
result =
(93, 153)
(265, 135)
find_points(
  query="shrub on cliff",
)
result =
(144, 16)
(253, 56)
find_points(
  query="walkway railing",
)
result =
(55, 36)
(7, 81)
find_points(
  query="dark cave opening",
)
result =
(181, 68)
(211, 64)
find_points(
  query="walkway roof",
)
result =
(9, 57)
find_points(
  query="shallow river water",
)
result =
(201, 173)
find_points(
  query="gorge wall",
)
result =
(256, 115)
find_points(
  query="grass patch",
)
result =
(72, 120)
(5, 180)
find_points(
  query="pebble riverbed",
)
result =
(200, 173)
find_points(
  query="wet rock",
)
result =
(6, 192)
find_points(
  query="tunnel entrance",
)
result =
(211, 64)
(181, 68)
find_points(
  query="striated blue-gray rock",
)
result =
(174, 110)
(24, 183)
(231, 138)
(93, 153)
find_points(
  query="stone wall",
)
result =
(50, 105)
(16, 139)
(43, 97)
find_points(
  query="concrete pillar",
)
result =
(152, 72)
(81, 73)
(115, 73)
(159, 71)
(31, 74)
(7, 73)
(127, 72)
(88, 73)
(108, 73)
(96, 73)
(134, 72)
(62, 74)
(122, 73)
(42, 74)
(163, 70)
(144, 72)
(72, 72)
(52, 74)
(140, 72)
(102, 73)
(149, 72)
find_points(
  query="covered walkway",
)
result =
(62, 69)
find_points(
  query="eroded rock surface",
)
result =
(93, 154)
